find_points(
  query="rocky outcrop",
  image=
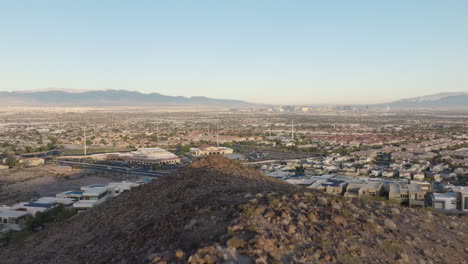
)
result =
(217, 211)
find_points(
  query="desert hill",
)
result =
(217, 211)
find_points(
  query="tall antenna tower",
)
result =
(84, 135)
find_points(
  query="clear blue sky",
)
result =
(259, 51)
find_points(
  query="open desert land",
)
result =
(24, 184)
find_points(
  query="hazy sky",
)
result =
(259, 51)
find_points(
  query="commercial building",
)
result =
(142, 156)
(206, 150)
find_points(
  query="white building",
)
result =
(33, 207)
(462, 193)
(116, 188)
(55, 200)
(72, 194)
(92, 195)
(446, 201)
(12, 219)
(142, 156)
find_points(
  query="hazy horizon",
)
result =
(272, 52)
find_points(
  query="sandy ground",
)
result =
(24, 184)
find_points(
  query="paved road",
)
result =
(111, 168)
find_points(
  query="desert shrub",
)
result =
(16, 237)
(389, 248)
(274, 203)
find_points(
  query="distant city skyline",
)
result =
(273, 52)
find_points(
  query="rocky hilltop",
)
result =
(217, 211)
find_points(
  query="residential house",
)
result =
(416, 195)
(92, 195)
(370, 188)
(33, 207)
(75, 195)
(12, 219)
(462, 197)
(446, 201)
(398, 192)
(116, 188)
(329, 185)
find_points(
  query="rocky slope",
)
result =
(216, 211)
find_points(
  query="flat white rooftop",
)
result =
(56, 200)
(95, 191)
(145, 154)
(12, 213)
(445, 196)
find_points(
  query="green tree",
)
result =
(155, 166)
(53, 140)
(300, 170)
(183, 150)
(10, 161)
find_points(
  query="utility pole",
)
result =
(84, 132)
(217, 135)
(292, 129)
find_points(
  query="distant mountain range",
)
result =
(442, 100)
(124, 98)
(81, 98)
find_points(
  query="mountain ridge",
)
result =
(442, 100)
(109, 97)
